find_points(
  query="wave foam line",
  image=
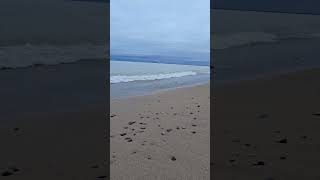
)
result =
(120, 79)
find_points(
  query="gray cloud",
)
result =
(179, 28)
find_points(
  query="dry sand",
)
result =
(161, 136)
(268, 128)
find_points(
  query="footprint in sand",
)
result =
(134, 152)
(131, 122)
(173, 158)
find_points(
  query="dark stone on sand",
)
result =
(194, 125)
(168, 130)
(191, 112)
(259, 163)
(193, 132)
(232, 160)
(177, 127)
(283, 141)
(173, 158)
(143, 128)
(316, 114)
(131, 122)
(128, 139)
(247, 145)
(6, 173)
(123, 134)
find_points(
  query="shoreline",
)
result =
(159, 91)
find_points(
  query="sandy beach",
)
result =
(161, 136)
(267, 128)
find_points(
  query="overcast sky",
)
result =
(162, 27)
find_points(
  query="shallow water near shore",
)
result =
(141, 78)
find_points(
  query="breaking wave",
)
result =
(122, 78)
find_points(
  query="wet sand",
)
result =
(161, 136)
(267, 128)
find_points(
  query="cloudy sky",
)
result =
(178, 28)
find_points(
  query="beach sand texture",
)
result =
(161, 136)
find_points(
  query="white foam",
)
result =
(121, 79)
